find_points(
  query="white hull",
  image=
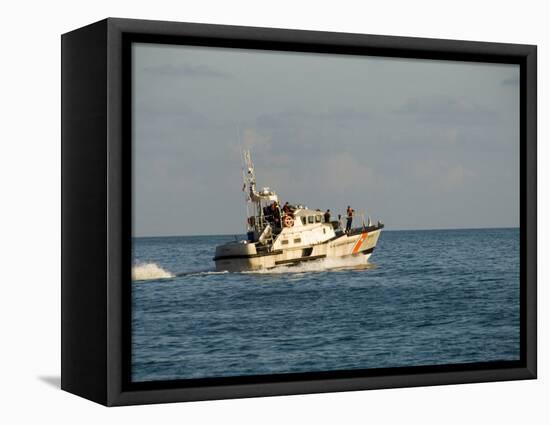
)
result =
(242, 256)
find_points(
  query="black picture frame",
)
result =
(96, 211)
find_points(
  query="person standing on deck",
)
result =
(276, 213)
(349, 213)
(327, 216)
(286, 208)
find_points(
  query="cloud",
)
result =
(298, 118)
(255, 141)
(512, 81)
(345, 171)
(313, 133)
(445, 110)
(343, 115)
(170, 116)
(441, 174)
(186, 70)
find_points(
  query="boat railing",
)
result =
(343, 218)
(258, 223)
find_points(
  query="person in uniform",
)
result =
(276, 214)
(327, 216)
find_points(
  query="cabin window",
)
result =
(285, 242)
(318, 218)
(297, 240)
(304, 220)
(310, 219)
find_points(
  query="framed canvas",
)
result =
(253, 212)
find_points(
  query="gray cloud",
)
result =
(296, 117)
(447, 109)
(344, 115)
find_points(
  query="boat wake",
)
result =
(150, 271)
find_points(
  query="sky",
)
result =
(416, 144)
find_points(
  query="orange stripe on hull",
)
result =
(359, 242)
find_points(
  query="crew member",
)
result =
(349, 213)
(268, 213)
(276, 213)
(286, 208)
(327, 216)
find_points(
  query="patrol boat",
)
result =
(282, 238)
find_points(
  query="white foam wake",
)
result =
(149, 271)
(324, 264)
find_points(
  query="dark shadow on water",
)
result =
(54, 381)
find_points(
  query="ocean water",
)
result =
(425, 298)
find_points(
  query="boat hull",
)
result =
(239, 257)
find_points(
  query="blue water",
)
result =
(431, 297)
